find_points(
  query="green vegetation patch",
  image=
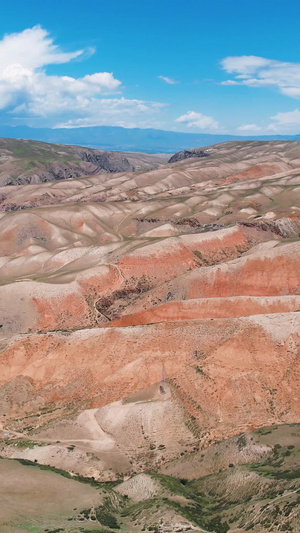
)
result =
(24, 443)
(106, 518)
(200, 509)
(77, 477)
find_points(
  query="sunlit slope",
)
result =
(24, 161)
(111, 284)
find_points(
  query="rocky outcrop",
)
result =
(186, 154)
(107, 161)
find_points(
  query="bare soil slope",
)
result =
(158, 307)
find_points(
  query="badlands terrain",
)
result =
(150, 332)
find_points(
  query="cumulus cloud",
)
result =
(256, 71)
(28, 92)
(32, 48)
(244, 65)
(198, 120)
(170, 81)
(290, 117)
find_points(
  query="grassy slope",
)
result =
(32, 157)
(27, 150)
(262, 497)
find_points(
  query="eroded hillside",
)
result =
(23, 161)
(160, 308)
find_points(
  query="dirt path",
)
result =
(99, 439)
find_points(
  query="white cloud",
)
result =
(244, 65)
(198, 120)
(114, 111)
(27, 92)
(256, 71)
(294, 92)
(287, 123)
(249, 127)
(170, 81)
(32, 48)
(290, 117)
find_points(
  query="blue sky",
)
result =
(217, 66)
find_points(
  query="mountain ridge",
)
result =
(24, 161)
(129, 139)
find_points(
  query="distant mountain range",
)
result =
(130, 140)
